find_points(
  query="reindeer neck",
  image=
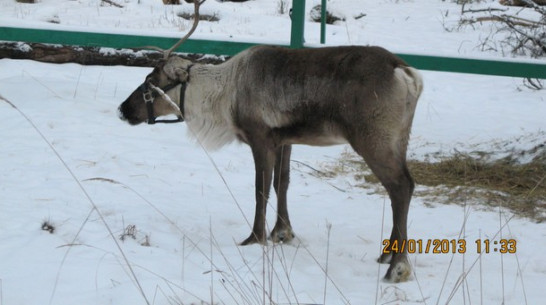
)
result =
(208, 83)
(208, 104)
(208, 73)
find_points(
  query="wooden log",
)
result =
(89, 55)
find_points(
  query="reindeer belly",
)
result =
(310, 133)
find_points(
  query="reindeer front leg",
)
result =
(264, 159)
(282, 232)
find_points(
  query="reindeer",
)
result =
(273, 97)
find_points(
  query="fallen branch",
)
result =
(483, 10)
(508, 19)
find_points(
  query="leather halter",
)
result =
(150, 92)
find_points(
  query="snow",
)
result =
(104, 174)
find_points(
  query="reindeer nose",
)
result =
(121, 116)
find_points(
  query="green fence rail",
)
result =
(120, 41)
(477, 66)
(535, 69)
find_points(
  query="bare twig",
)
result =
(112, 3)
(534, 84)
(360, 16)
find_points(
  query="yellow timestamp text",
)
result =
(445, 246)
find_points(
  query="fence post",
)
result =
(298, 22)
(323, 12)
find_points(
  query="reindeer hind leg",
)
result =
(387, 161)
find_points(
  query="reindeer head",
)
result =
(162, 92)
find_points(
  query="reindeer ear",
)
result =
(174, 68)
(182, 75)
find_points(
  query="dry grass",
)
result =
(460, 178)
(519, 187)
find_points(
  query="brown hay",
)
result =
(520, 187)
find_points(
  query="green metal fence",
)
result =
(528, 69)
(120, 41)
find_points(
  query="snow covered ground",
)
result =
(424, 27)
(154, 184)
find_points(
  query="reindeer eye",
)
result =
(147, 82)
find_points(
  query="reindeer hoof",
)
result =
(385, 258)
(399, 271)
(282, 236)
(253, 239)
